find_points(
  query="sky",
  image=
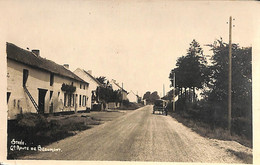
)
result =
(135, 42)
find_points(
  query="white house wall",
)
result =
(132, 97)
(19, 101)
(92, 83)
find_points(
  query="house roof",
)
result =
(28, 58)
(119, 86)
(93, 78)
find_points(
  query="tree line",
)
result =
(202, 85)
(105, 93)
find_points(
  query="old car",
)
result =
(160, 106)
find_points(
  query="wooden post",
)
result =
(230, 76)
(173, 93)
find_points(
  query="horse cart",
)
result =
(160, 106)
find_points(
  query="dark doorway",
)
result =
(51, 79)
(25, 76)
(41, 99)
(8, 96)
(51, 105)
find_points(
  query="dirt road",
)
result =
(141, 136)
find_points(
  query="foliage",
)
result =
(241, 79)
(147, 96)
(151, 97)
(154, 96)
(68, 88)
(102, 79)
(191, 71)
(31, 120)
(107, 94)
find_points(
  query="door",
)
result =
(76, 102)
(41, 99)
(51, 102)
(25, 76)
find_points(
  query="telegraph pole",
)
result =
(173, 93)
(230, 75)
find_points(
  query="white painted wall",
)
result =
(19, 102)
(132, 97)
(92, 83)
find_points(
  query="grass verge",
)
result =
(34, 129)
(206, 131)
(246, 158)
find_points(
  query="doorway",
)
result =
(41, 99)
(25, 76)
(76, 102)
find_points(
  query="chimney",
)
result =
(36, 52)
(90, 72)
(66, 66)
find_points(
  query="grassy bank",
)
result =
(206, 130)
(32, 130)
(219, 133)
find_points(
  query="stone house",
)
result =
(39, 85)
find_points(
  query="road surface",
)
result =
(139, 136)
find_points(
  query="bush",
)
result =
(32, 120)
(126, 103)
(242, 126)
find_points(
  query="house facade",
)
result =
(116, 86)
(38, 85)
(93, 84)
(132, 97)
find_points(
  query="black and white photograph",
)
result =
(142, 81)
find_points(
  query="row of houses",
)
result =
(38, 85)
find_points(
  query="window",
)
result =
(69, 101)
(51, 79)
(65, 98)
(83, 86)
(80, 86)
(72, 104)
(84, 100)
(25, 76)
(8, 96)
(79, 100)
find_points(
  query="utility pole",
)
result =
(230, 75)
(173, 93)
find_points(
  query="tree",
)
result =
(147, 96)
(106, 93)
(102, 80)
(191, 70)
(154, 96)
(151, 97)
(241, 79)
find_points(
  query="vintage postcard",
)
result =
(129, 82)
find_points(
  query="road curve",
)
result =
(138, 136)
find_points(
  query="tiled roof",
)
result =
(93, 78)
(119, 86)
(27, 57)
